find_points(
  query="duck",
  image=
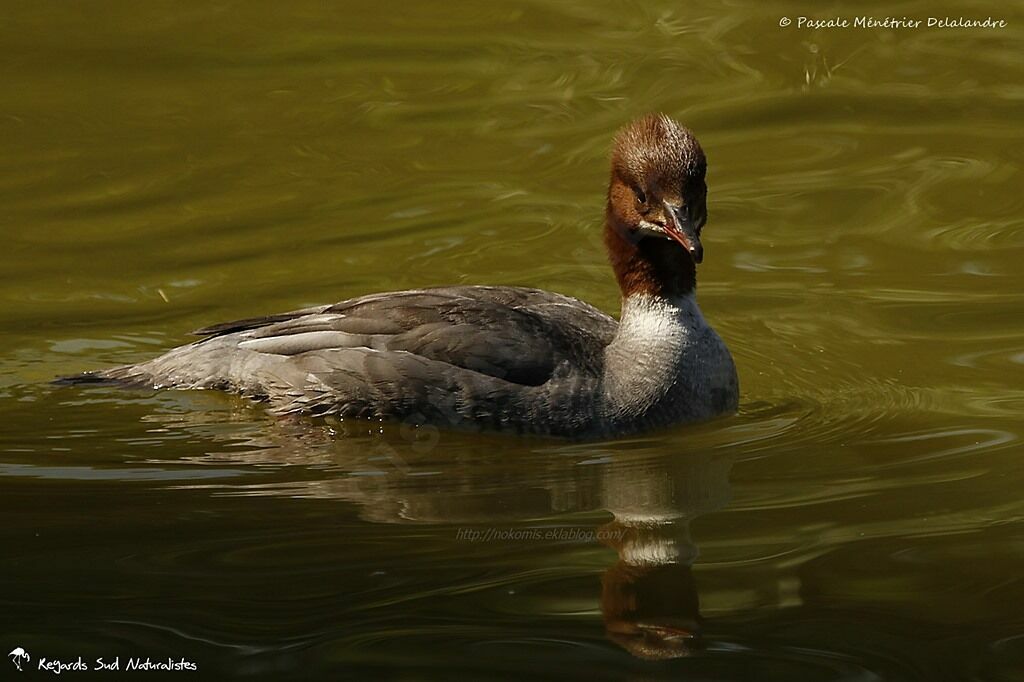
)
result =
(501, 358)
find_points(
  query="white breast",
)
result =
(665, 359)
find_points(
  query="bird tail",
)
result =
(125, 375)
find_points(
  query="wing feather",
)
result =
(518, 335)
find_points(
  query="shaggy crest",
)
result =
(656, 142)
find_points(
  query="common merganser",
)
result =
(502, 358)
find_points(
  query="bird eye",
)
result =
(640, 196)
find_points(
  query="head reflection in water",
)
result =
(650, 608)
(649, 597)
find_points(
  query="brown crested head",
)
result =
(657, 206)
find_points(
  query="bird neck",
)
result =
(649, 266)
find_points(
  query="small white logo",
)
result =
(19, 655)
